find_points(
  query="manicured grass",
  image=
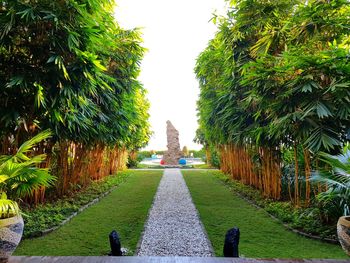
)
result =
(261, 236)
(304, 219)
(125, 210)
(149, 166)
(202, 166)
(144, 166)
(52, 214)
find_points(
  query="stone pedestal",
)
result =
(173, 154)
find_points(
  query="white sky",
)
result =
(174, 32)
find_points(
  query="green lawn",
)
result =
(202, 166)
(261, 236)
(125, 210)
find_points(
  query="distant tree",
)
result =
(185, 151)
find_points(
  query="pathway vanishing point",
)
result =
(173, 227)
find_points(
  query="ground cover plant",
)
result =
(261, 236)
(125, 209)
(45, 216)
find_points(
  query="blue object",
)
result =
(182, 161)
(154, 156)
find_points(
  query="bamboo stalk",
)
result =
(307, 176)
(296, 176)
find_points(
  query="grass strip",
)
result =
(49, 215)
(125, 209)
(304, 220)
(187, 166)
(261, 236)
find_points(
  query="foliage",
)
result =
(132, 163)
(198, 153)
(336, 176)
(276, 77)
(144, 154)
(214, 157)
(69, 67)
(20, 175)
(185, 151)
(62, 71)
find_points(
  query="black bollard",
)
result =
(115, 244)
(231, 243)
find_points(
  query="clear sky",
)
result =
(174, 32)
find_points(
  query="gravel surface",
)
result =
(173, 227)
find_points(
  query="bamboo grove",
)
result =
(68, 67)
(275, 92)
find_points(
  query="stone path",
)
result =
(173, 227)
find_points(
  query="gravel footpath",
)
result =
(173, 227)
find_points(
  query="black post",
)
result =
(115, 244)
(231, 243)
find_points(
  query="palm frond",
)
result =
(8, 208)
(26, 146)
(20, 175)
(337, 179)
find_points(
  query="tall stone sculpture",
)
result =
(173, 154)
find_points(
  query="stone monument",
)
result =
(173, 154)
